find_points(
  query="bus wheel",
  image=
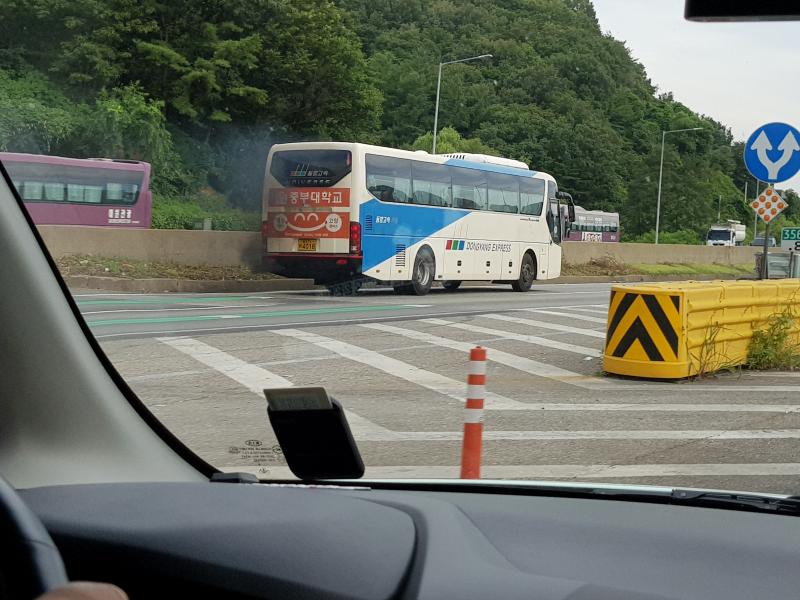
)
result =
(422, 276)
(451, 285)
(527, 273)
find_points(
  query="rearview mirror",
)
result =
(741, 10)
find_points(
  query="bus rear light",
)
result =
(355, 238)
(264, 228)
(341, 262)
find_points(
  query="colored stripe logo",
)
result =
(454, 245)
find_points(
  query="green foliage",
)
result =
(188, 213)
(203, 89)
(775, 345)
(682, 236)
(34, 116)
(448, 140)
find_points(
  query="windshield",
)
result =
(293, 218)
(719, 234)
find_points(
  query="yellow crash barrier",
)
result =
(680, 329)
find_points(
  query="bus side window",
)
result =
(531, 196)
(388, 178)
(431, 184)
(469, 188)
(503, 192)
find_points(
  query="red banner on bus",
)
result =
(298, 198)
(309, 225)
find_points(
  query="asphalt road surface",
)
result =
(398, 364)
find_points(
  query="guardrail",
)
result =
(678, 330)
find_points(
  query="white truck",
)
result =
(730, 233)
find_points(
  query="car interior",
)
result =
(95, 489)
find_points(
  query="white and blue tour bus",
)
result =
(347, 213)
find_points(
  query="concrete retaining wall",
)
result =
(583, 252)
(212, 248)
(224, 248)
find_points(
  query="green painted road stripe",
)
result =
(197, 300)
(259, 315)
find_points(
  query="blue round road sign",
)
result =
(772, 152)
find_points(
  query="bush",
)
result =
(185, 213)
(684, 236)
(773, 346)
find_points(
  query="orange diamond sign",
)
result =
(768, 205)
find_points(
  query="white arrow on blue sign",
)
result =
(772, 152)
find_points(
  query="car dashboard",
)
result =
(278, 541)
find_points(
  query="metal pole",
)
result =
(719, 208)
(660, 173)
(436, 112)
(765, 267)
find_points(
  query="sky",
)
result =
(740, 74)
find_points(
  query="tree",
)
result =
(448, 141)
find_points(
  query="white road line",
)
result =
(546, 325)
(256, 379)
(599, 311)
(567, 315)
(257, 327)
(379, 434)
(545, 472)
(540, 369)
(402, 370)
(252, 377)
(678, 408)
(138, 310)
(520, 337)
(520, 363)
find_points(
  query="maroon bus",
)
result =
(594, 226)
(76, 191)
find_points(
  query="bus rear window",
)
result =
(44, 182)
(310, 168)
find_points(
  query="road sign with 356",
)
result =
(790, 238)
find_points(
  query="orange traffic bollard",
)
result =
(473, 415)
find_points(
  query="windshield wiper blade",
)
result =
(789, 505)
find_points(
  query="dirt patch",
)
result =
(602, 265)
(135, 269)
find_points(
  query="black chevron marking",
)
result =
(635, 332)
(623, 307)
(663, 322)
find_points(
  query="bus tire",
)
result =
(423, 273)
(527, 273)
(451, 284)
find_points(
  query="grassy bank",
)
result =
(610, 267)
(137, 269)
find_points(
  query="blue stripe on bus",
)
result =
(399, 224)
(457, 162)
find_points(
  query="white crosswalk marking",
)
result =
(383, 435)
(255, 378)
(520, 337)
(546, 325)
(252, 377)
(567, 315)
(599, 311)
(397, 368)
(520, 363)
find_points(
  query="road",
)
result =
(398, 365)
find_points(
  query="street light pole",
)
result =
(661, 173)
(439, 87)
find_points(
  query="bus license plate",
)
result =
(307, 245)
